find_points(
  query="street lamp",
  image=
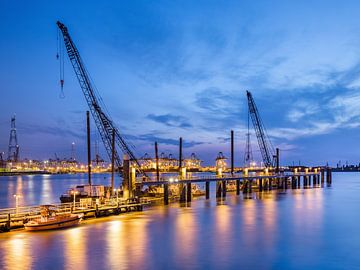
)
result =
(17, 197)
(117, 194)
(74, 193)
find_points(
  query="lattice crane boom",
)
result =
(266, 149)
(103, 122)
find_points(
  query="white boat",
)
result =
(85, 191)
(49, 220)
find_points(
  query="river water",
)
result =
(297, 229)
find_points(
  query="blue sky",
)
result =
(167, 69)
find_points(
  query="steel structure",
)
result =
(103, 122)
(13, 150)
(248, 157)
(266, 148)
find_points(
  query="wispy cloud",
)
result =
(33, 129)
(170, 120)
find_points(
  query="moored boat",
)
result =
(49, 220)
(85, 191)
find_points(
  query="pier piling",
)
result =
(224, 189)
(89, 148)
(188, 189)
(218, 189)
(207, 190)
(166, 194)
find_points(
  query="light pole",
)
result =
(74, 193)
(17, 197)
(117, 194)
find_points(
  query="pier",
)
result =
(12, 218)
(244, 182)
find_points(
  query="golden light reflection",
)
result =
(223, 229)
(308, 208)
(17, 252)
(75, 248)
(127, 243)
(186, 234)
(270, 215)
(249, 214)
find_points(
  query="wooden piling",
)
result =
(245, 186)
(89, 149)
(207, 190)
(166, 194)
(157, 162)
(314, 180)
(182, 190)
(113, 161)
(218, 189)
(180, 153)
(188, 189)
(223, 189)
(277, 160)
(237, 187)
(232, 152)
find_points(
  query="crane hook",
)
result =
(62, 94)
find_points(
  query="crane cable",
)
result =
(60, 57)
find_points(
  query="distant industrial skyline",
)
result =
(167, 69)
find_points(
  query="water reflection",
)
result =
(17, 253)
(126, 243)
(186, 234)
(269, 231)
(75, 246)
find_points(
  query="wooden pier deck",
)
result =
(246, 183)
(11, 218)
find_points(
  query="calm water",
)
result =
(300, 229)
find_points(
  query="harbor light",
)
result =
(117, 190)
(74, 192)
(17, 197)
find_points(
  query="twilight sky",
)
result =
(181, 68)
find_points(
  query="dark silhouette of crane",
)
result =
(13, 152)
(102, 120)
(266, 148)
